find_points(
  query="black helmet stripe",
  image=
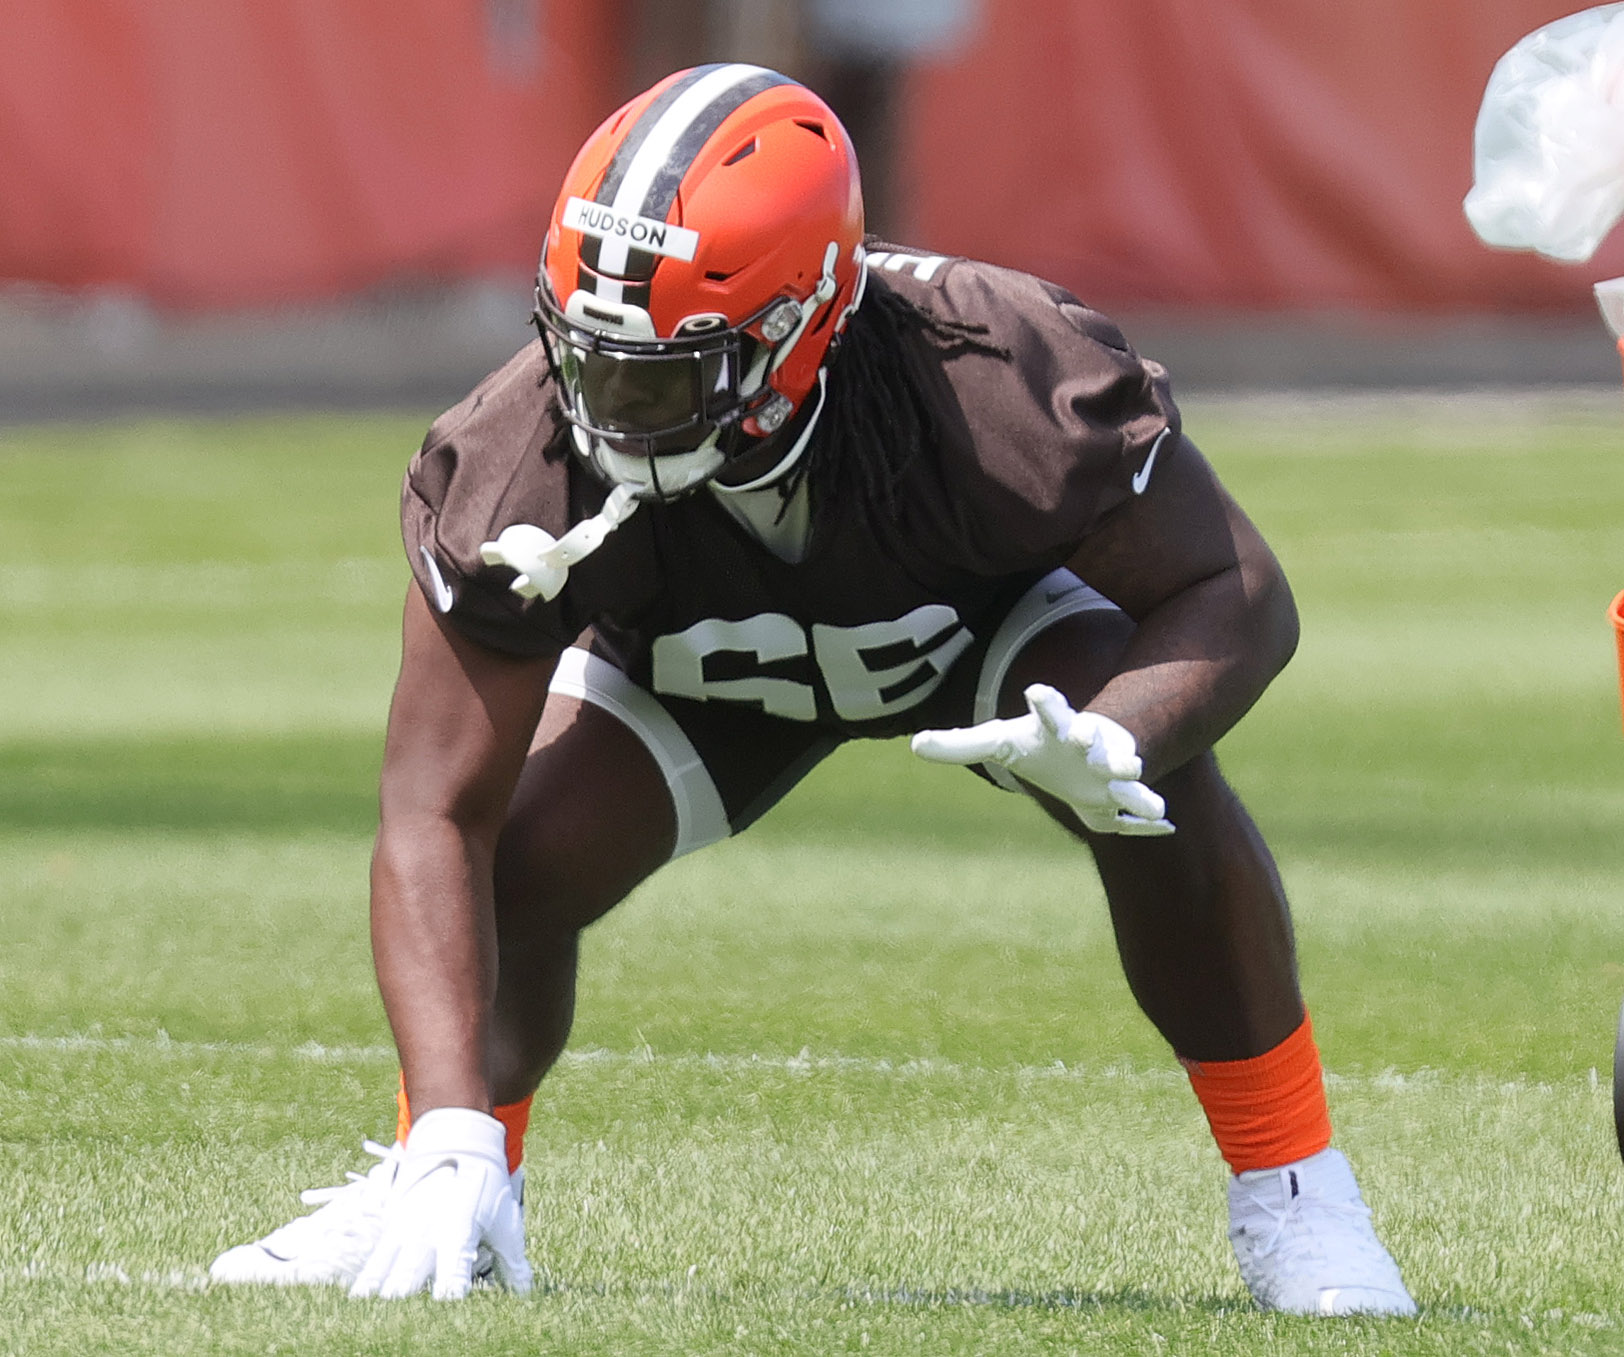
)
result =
(649, 166)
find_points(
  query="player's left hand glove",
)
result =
(450, 1195)
(1087, 760)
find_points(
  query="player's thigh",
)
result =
(589, 819)
(1060, 632)
(618, 782)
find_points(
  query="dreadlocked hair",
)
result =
(878, 419)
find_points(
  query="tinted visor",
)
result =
(648, 394)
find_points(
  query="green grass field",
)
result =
(867, 1079)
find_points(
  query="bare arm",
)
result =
(459, 727)
(1216, 620)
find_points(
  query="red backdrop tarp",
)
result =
(233, 152)
(1230, 153)
(1194, 153)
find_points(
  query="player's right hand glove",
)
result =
(450, 1195)
(1087, 760)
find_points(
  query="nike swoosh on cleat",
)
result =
(443, 597)
(1141, 478)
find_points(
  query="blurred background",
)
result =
(225, 204)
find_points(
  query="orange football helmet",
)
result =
(705, 249)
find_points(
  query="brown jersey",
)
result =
(1038, 432)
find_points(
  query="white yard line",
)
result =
(804, 1062)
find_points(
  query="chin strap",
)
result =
(543, 561)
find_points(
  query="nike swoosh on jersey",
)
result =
(443, 597)
(1141, 478)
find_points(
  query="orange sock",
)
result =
(1269, 1110)
(515, 1119)
(403, 1112)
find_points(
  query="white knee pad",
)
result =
(701, 818)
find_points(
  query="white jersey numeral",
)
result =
(679, 664)
(883, 667)
(922, 266)
(872, 670)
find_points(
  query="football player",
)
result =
(758, 487)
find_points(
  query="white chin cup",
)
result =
(678, 471)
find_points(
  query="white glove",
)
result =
(450, 1195)
(1087, 760)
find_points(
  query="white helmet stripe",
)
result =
(655, 151)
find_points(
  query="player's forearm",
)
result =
(434, 948)
(1199, 660)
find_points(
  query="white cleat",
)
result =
(1305, 1245)
(326, 1247)
(329, 1246)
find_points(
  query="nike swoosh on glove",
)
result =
(1087, 760)
(450, 1195)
